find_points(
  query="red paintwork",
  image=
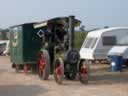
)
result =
(25, 69)
(58, 71)
(83, 71)
(41, 63)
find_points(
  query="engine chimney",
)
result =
(71, 31)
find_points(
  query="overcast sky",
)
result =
(92, 13)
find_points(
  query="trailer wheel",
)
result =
(25, 68)
(83, 72)
(16, 67)
(44, 65)
(59, 70)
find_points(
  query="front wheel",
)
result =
(83, 72)
(59, 70)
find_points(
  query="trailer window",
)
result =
(94, 42)
(109, 40)
(85, 42)
(90, 43)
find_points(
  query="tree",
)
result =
(82, 28)
(106, 26)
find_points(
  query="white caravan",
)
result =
(99, 42)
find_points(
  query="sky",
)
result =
(92, 13)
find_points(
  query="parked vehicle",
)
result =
(99, 42)
(4, 47)
(47, 47)
(59, 52)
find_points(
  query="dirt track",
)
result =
(102, 83)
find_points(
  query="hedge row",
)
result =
(79, 39)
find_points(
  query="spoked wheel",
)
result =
(17, 68)
(59, 71)
(44, 65)
(25, 68)
(83, 72)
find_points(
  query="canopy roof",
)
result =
(58, 20)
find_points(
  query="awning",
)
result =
(59, 20)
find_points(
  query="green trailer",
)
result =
(25, 43)
(60, 57)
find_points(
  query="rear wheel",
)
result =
(59, 70)
(83, 72)
(25, 68)
(44, 65)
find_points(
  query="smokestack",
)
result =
(71, 31)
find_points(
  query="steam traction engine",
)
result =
(57, 54)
